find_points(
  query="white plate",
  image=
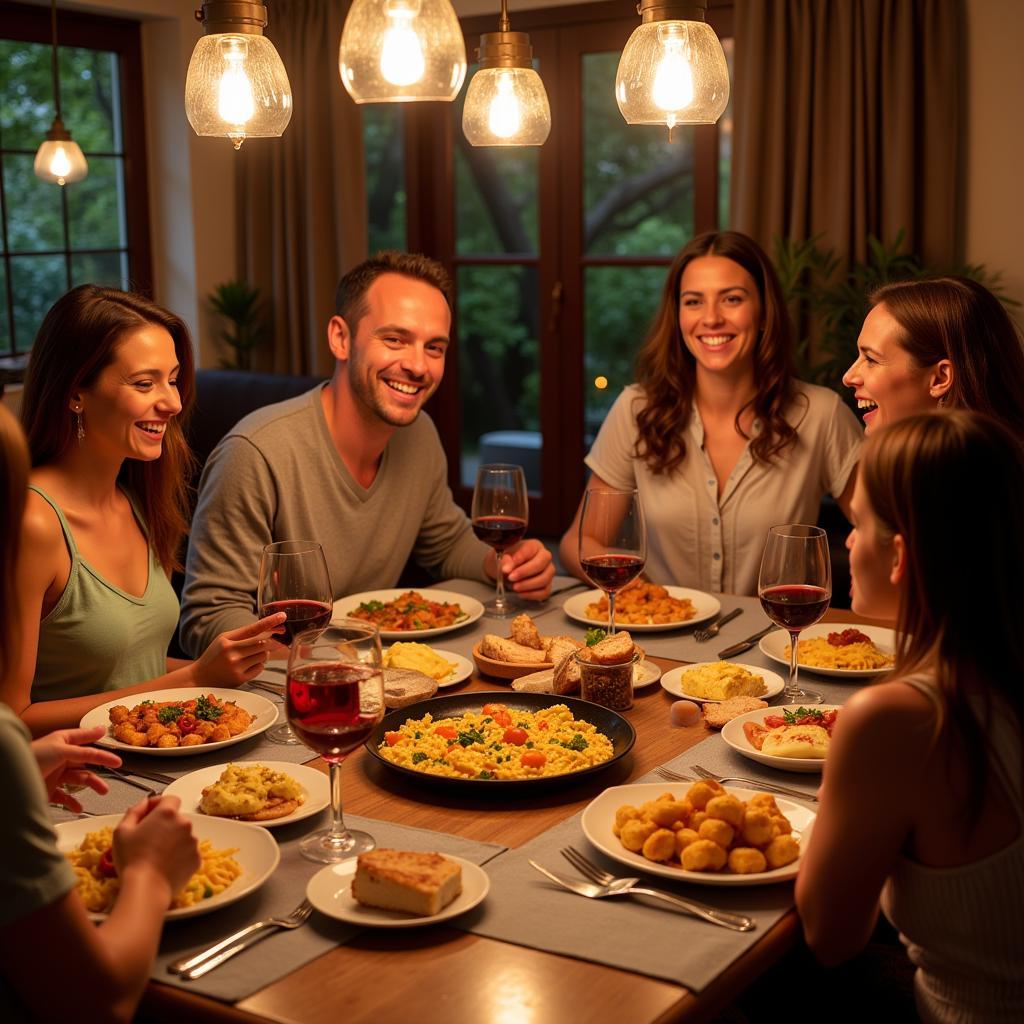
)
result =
(599, 816)
(774, 646)
(189, 788)
(257, 854)
(470, 605)
(706, 608)
(733, 734)
(264, 714)
(672, 681)
(330, 891)
(645, 674)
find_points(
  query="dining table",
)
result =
(445, 973)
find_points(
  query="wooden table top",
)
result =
(444, 974)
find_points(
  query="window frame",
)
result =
(122, 36)
(559, 37)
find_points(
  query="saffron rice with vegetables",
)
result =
(498, 743)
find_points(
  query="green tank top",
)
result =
(98, 637)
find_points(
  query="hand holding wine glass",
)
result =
(294, 580)
(335, 697)
(500, 513)
(613, 541)
(795, 587)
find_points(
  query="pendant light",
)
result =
(398, 51)
(506, 104)
(673, 69)
(236, 85)
(59, 159)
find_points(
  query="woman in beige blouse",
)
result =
(717, 435)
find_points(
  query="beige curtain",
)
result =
(848, 123)
(302, 198)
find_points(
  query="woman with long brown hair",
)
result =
(939, 342)
(109, 375)
(717, 435)
(922, 807)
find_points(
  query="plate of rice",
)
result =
(845, 650)
(500, 741)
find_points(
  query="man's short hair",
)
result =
(350, 298)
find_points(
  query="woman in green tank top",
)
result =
(109, 377)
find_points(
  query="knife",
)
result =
(745, 645)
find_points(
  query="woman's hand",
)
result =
(238, 655)
(155, 835)
(527, 567)
(60, 756)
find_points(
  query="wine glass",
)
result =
(795, 587)
(294, 580)
(335, 697)
(613, 541)
(500, 512)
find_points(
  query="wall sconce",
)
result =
(59, 158)
(236, 85)
(506, 104)
(398, 51)
(673, 69)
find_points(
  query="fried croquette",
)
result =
(701, 792)
(727, 808)
(703, 855)
(756, 828)
(717, 831)
(684, 837)
(745, 860)
(635, 833)
(782, 850)
(660, 845)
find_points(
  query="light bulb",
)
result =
(673, 81)
(503, 118)
(235, 102)
(401, 57)
(60, 165)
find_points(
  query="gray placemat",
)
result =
(286, 951)
(525, 908)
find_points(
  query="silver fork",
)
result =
(195, 966)
(630, 886)
(705, 634)
(122, 777)
(770, 787)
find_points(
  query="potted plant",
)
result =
(239, 303)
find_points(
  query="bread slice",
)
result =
(524, 632)
(536, 682)
(405, 686)
(416, 883)
(716, 715)
(500, 649)
(613, 650)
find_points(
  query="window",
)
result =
(558, 253)
(96, 230)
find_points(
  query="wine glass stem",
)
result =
(793, 689)
(611, 613)
(338, 830)
(499, 594)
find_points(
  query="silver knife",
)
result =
(745, 645)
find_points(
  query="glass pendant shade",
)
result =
(671, 73)
(237, 87)
(400, 51)
(59, 159)
(506, 107)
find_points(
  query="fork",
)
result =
(630, 886)
(770, 787)
(195, 966)
(123, 777)
(705, 634)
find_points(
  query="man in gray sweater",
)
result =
(351, 464)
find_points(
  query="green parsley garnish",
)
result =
(169, 714)
(145, 703)
(594, 636)
(486, 775)
(207, 710)
(792, 717)
(469, 737)
(576, 743)
(371, 606)
(418, 756)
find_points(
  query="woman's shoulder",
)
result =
(897, 711)
(40, 525)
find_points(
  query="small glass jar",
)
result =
(608, 685)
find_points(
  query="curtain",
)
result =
(302, 198)
(849, 123)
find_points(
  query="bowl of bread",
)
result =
(523, 652)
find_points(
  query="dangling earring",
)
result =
(942, 401)
(79, 429)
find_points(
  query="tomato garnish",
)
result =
(391, 738)
(542, 725)
(489, 709)
(446, 732)
(515, 736)
(187, 724)
(774, 721)
(502, 718)
(533, 759)
(106, 865)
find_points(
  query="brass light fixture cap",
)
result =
(239, 17)
(672, 10)
(504, 49)
(57, 132)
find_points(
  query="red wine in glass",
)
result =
(612, 572)
(302, 615)
(324, 707)
(793, 607)
(500, 532)
(795, 586)
(500, 511)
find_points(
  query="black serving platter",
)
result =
(611, 723)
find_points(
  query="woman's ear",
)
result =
(941, 380)
(899, 560)
(75, 402)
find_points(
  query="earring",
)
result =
(79, 429)
(942, 401)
